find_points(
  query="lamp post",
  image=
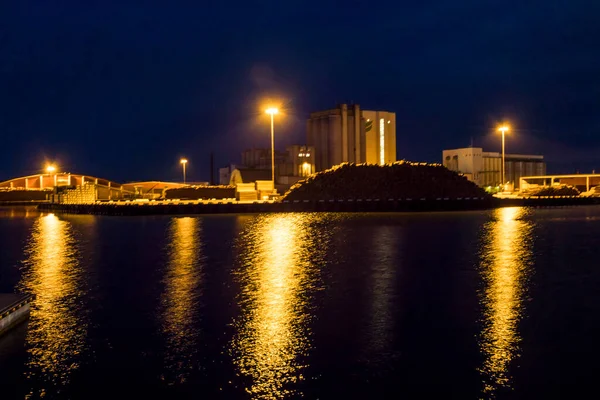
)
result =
(272, 111)
(183, 162)
(503, 129)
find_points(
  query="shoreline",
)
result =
(185, 207)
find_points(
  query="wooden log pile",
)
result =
(393, 181)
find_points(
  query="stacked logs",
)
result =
(392, 181)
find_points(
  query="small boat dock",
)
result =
(14, 309)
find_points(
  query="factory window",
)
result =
(382, 141)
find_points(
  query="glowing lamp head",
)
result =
(504, 128)
(50, 169)
(183, 161)
(272, 110)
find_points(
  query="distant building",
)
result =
(485, 168)
(300, 161)
(154, 189)
(349, 134)
(297, 161)
(582, 182)
(261, 158)
(248, 175)
(225, 174)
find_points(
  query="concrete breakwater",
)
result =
(339, 205)
(235, 207)
(14, 309)
(21, 203)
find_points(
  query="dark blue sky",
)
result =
(122, 89)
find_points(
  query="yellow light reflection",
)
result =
(277, 282)
(181, 293)
(56, 335)
(504, 263)
(384, 250)
(19, 212)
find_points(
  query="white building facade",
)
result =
(485, 168)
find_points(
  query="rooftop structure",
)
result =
(48, 181)
(68, 187)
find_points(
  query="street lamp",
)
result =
(272, 111)
(503, 129)
(183, 162)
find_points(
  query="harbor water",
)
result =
(500, 303)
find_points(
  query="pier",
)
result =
(238, 207)
(14, 309)
(181, 207)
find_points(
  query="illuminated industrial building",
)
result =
(296, 162)
(349, 134)
(484, 168)
(83, 187)
(70, 188)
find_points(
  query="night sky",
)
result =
(123, 89)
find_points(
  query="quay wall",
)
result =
(14, 318)
(350, 205)
(23, 195)
(234, 207)
(14, 309)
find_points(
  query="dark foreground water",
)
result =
(496, 304)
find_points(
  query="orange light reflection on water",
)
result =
(182, 279)
(55, 336)
(385, 247)
(504, 266)
(277, 280)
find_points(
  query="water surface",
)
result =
(491, 304)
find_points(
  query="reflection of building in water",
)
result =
(505, 258)
(383, 282)
(182, 279)
(57, 327)
(276, 282)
